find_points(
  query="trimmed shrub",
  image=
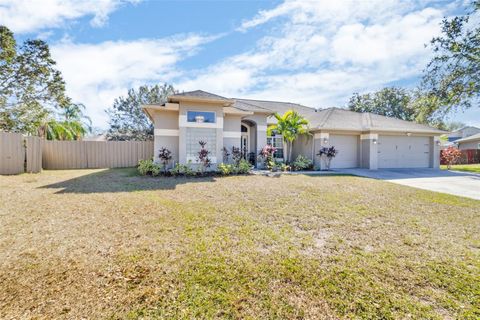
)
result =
(302, 163)
(182, 170)
(243, 166)
(148, 167)
(225, 169)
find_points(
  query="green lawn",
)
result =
(465, 167)
(111, 245)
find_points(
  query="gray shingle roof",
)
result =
(200, 94)
(342, 119)
(331, 118)
(272, 106)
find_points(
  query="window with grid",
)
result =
(277, 142)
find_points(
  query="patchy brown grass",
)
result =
(109, 244)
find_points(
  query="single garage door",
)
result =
(347, 146)
(403, 152)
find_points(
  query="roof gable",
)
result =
(199, 94)
(470, 138)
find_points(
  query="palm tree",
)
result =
(290, 126)
(74, 126)
(62, 130)
(74, 112)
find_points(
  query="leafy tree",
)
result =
(127, 119)
(454, 125)
(30, 86)
(290, 126)
(391, 102)
(453, 74)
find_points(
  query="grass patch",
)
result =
(109, 244)
(475, 168)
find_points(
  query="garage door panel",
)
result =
(403, 152)
(347, 146)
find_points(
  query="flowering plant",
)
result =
(451, 156)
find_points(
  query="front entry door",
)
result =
(244, 144)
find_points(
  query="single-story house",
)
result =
(470, 142)
(363, 140)
(462, 133)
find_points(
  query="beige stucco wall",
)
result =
(231, 123)
(469, 145)
(184, 107)
(303, 145)
(171, 143)
(166, 133)
(165, 120)
(231, 132)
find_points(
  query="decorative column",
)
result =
(320, 140)
(369, 151)
(435, 152)
(261, 140)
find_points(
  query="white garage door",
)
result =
(347, 146)
(403, 152)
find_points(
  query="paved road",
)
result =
(453, 182)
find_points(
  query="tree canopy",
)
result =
(452, 78)
(390, 102)
(30, 85)
(127, 119)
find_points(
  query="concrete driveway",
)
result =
(453, 182)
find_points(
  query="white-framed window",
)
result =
(478, 146)
(276, 140)
(201, 116)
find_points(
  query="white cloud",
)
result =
(319, 52)
(24, 16)
(98, 73)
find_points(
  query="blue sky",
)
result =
(312, 52)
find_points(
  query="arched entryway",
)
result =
(245, 140)
(248, 144)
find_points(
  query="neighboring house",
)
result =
(362, 139)
(471, 142)
(462, 133)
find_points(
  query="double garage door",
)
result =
(393, 151)
(403, 152)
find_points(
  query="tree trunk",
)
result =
(290, 148)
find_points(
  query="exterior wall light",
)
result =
(438, 143)
(374, 141)
(409, 134)
(325, 140)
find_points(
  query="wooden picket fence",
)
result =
(31, 154)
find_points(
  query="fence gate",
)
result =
(12, 153)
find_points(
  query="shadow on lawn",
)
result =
(120, 180)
